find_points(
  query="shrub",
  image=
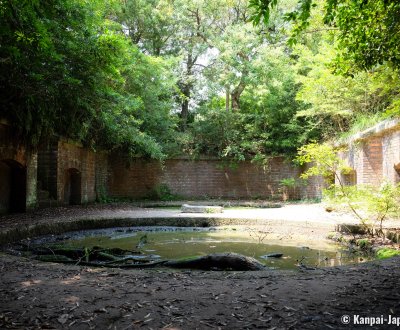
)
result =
(371, 205)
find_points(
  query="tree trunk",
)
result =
(235, 95)
(218, 261)
(185, 106)
(238, 90)
(227, 99)
(186, 88)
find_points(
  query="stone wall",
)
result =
(18, 173)
(101, 175)
(374, 154)
(204, 178)
(68, 173)
(391, 152)
(71, 173)
(47, 169)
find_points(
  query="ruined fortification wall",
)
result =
(71, 173)
(64, 172)
(204, 178)
(374, 154)
(18, 173)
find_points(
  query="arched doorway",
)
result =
(397, 173)
(12, 186)
(349, 178)
(72, 188)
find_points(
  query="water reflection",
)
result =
(177, 242)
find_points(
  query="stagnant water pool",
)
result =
(166, 243)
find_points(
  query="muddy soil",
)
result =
(52, 296)
(36, 295)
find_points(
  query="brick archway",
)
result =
(397, 172)
(12, 186)
(349, 178)
(72, 187)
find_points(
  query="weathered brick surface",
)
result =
(376, 155)
(61, 160)
(391, 159)
(203, 178)
(73, 156)
(10, 148)
(18, 168)
(372, 161)
(31, 181)
(101, 175)
(47, 168)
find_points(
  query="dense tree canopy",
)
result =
(159, 78)
(368, 31)
(66, 68)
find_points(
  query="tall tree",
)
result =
(67, 69)
(175, 29)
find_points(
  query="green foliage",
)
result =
(156, 78)
(360, 123)
(339, 103)
(262, 10)
(162, 192)
(368, 33)
(364, 243)
(265, 122)
(324, 160)
(67, 69)
(371, 205)
(367, 30)
(288, 182)
(385, 253)
(287, 187)
(239, 135)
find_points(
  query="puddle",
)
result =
(165, 243)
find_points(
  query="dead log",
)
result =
(218, 261)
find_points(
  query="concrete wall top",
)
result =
(382, 128)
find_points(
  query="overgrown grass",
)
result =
(361, 123)
(385, 253)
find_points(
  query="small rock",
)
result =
(186, 208)
(63, 318)
(272, 255)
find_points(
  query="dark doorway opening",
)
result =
(12, 187)
(72, 190)
(349, 178)
(397, 175)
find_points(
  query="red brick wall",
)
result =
(10, 147)
(18, 170)
(372, 161)
(391, 159)
(375, 154)
(203, 178)
(47, 168)
(101, 177)
(59, 160)
(73, 156)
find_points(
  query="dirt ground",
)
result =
(36, 295)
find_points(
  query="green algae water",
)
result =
(166, 243)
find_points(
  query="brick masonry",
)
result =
(63, 167)
(18, 175)
(205, 178)
(63, 164)
(374, 154)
